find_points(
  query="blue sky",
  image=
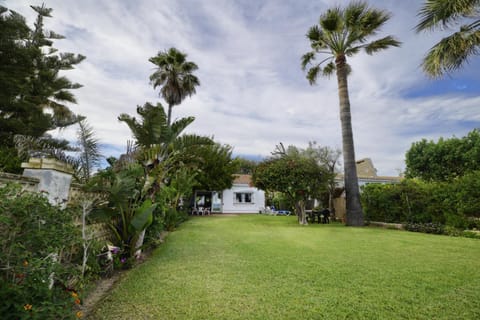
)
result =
(253, 93)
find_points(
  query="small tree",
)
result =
(445, 159)
(330, 159)
(297, 176)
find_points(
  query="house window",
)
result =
(243, 197)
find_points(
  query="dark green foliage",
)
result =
(445, 159)
(126, 210)
(30, 80)
(297, 176)
(245, 166)
(215, 167)
(40, 247)
(172, 218)
(9, 160)
(452, 52)
(419, 204)
(174, 74)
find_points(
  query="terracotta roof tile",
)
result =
(243, 179)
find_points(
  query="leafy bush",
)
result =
(423, 206)
(471, 234)
(172, 218)
(40, 245)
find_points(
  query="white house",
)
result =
(243, 197)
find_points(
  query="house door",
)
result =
(203, 200)
(210, 200)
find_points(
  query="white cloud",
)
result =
(253, 93)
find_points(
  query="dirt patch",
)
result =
(102, 288)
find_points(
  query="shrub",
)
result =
(425, 206)
(39, 247)
(172, 218)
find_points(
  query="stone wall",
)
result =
(53, 178)
(28, 183)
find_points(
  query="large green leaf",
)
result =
(143, 216)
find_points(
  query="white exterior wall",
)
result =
(230, 205)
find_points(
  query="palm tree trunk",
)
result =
(352, 192)
(169, 116)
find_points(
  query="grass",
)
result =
(264, 267)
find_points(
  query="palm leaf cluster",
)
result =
(452, 51)
(174, 74)
(159, 145)
(341, 33)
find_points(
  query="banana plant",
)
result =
(160, 148)
(125, 210)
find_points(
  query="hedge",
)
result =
(413, 202)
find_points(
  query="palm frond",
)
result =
(307, 58)
(351, 51)
(353, 14)
(451, 53)
(188, 141)
(381, 44)
(312, 74)
(89, 146)
(314, 33)
(435, 13)
(151, 126)
(371, 21)
(329, 69)
(342, 33)
(174, 74)
(331, 21)
(179, 125)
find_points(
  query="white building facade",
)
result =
(242, 197)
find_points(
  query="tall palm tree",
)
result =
(341, 33)
(175, 75)
(453, 51)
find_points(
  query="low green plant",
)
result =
(126, 211)
(39, 255)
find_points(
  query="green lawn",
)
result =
(266, 267)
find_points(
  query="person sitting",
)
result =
(325, 215)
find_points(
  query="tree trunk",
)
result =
(300, 210)
(169, 116)
(139, 244)
(352, 191)
(331, 206)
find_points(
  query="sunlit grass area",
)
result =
(266, 267)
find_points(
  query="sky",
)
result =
(253, 93)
